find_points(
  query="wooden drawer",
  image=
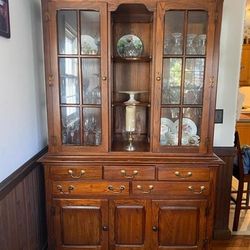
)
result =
(183, 173)
(90, 188)
(129, 172)
(76, 172)
(170, 188)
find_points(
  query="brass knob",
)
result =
(124, 174)
(112, 189)
(70, 172)
(104, 78)
(60, 189)
(202, 189)
(105, 228)
(150, 188)
(155, 228)
(158, 78)
(178, 174)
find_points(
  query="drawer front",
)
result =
(90, 188)
(76, 172)
(183, 173)
(170, 188)
(129, 172)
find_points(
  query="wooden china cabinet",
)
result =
(131, 91)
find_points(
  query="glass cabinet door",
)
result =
(182, 66)
(81, 68)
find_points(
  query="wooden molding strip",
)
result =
(225, 151)
(11, 181)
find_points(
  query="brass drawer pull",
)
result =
(60, 189)
(202, 188)
(150, 188)
(82, 172)
(178, 174)
(124, 174)
(111, 188)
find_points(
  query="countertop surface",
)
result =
(244, 117)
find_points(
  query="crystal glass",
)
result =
(70, 118)
(190, 49)
(194, 80)
(92, 132)
(91, 81)
(177, 47)
(171, 84)
(201, 48)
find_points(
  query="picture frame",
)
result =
(4, 19)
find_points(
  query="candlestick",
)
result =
(130, 118)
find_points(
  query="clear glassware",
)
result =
(201, 48)
(190, 49)
(177, 47)
(168, 45)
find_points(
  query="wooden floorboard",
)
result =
(236, 243)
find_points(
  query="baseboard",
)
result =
(11, 181)
(222, 234)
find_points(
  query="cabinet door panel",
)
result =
(129, 222)
(79, 224)
(183, 72)
(78, 36)
(179, 224)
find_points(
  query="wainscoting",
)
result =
(22, 208)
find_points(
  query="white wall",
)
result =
(23, 122)
(229, 69)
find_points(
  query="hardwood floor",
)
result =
(236, 243)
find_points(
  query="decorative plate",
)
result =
(129, 46)
(188, 126)
(167, 126)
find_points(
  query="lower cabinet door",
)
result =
(81, 224)
(178, 224)
(129, 224)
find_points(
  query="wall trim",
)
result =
(11, 181)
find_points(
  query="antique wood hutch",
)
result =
(122, 77)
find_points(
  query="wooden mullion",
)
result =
(183, 77)
(79, 72)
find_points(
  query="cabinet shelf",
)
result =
(141, 104)
(131, 59)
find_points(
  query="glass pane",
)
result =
(191, 126)
(197, 33)
(171, 80)
(69, 84)
(90, 32)
(67, 31)
(174, 27)
(70, 117)
(194, 79)
(169, 126)
(92, 128)
(91, 81)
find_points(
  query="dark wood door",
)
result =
(178, 224)
(184, 78)
(81, 224)
(78, 82)
(129, 225)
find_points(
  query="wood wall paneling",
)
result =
(22, 209)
